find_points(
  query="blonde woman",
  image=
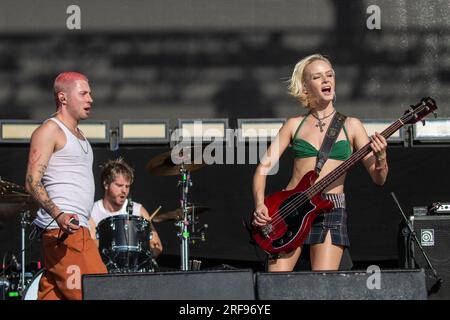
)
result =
(313, 84)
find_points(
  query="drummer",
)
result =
(117, 177)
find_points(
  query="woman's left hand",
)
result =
(379, 146)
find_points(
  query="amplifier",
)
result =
(443, 207)
(433, 234)
(420, 211)
(433, 209)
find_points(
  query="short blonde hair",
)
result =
(298, 77)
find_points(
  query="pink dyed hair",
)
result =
(63, 82)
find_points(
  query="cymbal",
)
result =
(14, 198)
(14, 209)
(11, 192)
(178, 213)
(6, 186)
(162, 165)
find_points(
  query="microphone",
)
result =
(130, 207)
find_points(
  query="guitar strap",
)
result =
(330, 137)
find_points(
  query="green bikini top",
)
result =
(341, 149)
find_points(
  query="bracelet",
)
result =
(59, 214)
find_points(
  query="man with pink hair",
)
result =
(59, 176)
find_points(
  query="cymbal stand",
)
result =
(24, 215)
(185, 182)
(200, 234)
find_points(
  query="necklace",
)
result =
(320, 124)
(76, 138)
(85, 141)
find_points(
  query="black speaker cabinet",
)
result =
(433, 233)
(185, 285)
(351, 285)
(3, 288)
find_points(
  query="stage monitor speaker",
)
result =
(434, 236)
(336, 285)
(183, 285)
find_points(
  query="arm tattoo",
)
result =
(42, 169)
(38, 191)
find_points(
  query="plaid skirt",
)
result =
(334, 221)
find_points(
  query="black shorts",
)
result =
(334, 221)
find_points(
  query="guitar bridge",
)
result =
(266, 230)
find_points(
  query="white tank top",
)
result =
(99, 212)
(69, 180)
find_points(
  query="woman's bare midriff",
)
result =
(304, 165)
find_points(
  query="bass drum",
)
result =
(124, 243)
(31, 292)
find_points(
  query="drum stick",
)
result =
(154, 213)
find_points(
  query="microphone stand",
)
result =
(130, 207)
(130, 214)
(24, 215)
(412, 234)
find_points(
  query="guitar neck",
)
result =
(350, 162)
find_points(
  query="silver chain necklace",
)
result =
(85, 141)
(320, 124)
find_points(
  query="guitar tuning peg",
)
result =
(435, 114)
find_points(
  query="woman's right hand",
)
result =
(261, 215)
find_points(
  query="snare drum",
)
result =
(124, 242)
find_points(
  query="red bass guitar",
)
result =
(294, 211)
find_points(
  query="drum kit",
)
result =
(123, 239)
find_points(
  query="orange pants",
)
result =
(66, 259)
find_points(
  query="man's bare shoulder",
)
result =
(47, 131)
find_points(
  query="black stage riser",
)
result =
(240, 285)
(354, 285)
(205, 285)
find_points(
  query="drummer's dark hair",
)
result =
(112, 168)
